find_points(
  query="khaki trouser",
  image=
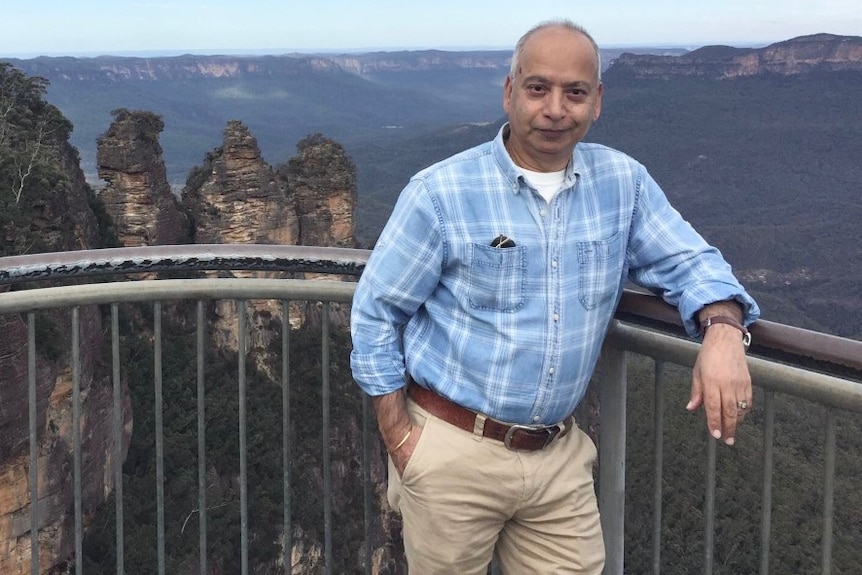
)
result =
(462, 499)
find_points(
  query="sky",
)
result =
(169, 27)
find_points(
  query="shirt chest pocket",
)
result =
(496, 277)
(600, 265)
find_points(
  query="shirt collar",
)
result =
(513, 173)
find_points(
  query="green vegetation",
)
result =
(797, 485)
(32, 136)
(263, 408)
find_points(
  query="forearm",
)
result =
(392, 417)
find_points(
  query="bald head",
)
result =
(563, 24)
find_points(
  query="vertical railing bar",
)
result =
(612, 456)
(160, 438)
(78, 484)
(829, 490)
(367, 501)
(327, 480)
(202, 444)
(285, 434)
(118, 434)
(766, 502)
(709, 506)
(243, 460)
(34, 443)
(658, 434)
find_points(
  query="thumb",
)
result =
(696, 399)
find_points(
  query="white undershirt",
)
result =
(548, 184)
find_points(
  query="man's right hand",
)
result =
(394, 423)
(402, 455)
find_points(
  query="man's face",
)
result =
(552, 100)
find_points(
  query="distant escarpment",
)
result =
(806, 54)
(176, 68)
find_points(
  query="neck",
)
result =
(522, 161)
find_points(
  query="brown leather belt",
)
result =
(514, 436)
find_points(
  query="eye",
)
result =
(576, 93)
(536, 89)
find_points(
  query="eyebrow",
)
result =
(544, 80)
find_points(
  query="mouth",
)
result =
(552, 134)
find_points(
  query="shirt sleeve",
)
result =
(667, 256)
(402, 272)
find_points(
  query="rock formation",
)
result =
(138, 196)
(237, 198)
(322, 179)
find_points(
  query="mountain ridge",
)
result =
(800, 55)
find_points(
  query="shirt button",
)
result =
(551, 371)
(554, 264)
(536, 418)
(543, 213)
(556, 317)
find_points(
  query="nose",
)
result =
(555, 105)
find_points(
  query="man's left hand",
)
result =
(721, 382)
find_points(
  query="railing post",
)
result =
(611, 374)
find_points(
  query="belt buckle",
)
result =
(507, 440)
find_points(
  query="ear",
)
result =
(507, 93)
(597, 111)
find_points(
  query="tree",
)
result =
(31, 133)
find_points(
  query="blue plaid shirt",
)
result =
(515, 332)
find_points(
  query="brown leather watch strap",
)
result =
(746, 335)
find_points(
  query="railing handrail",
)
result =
(169, 290)
(816, 350)
(185, 257)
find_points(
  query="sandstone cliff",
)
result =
(806, 54)
(138, 196)
(59, 218)
(235, 197)
(322, 179)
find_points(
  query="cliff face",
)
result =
(322, 179)
(819, 52)
(63, 220)
(138, 196)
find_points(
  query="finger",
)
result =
(730, 418)
(714, 411)
(696, 398)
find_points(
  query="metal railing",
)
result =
(816, 367)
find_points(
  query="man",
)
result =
(479, 318)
